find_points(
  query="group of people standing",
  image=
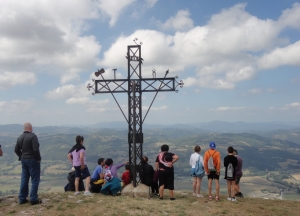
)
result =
(105, 179)
(211, 166)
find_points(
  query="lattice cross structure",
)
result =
(134, 86)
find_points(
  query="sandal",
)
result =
(210, 198)
(217, 198)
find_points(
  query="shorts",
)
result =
(78, 172)
(237, 179)
(193, 173)
(213, 175)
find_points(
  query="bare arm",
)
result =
(82, 160)
(175, 158)
(70, 159)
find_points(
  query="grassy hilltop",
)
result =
(64, 204)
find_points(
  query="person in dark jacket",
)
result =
(147, 174)
(28, 150)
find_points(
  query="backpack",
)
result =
(108, 176)
(211, 165)
(229, 171)
(199, 168)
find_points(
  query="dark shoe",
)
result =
(172, 199)
(240, 195)
(161, 198)
(35, 202)
(25, 201)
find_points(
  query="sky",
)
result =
(239, 60)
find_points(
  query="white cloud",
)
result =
(233, 47)
(113, 8)
(44, 34)
(255, 91)
(269, 90)
(151, 3)
(228, 108)
(294, 105)
(288, 55)
(290, 17)
(74, 100)
(10, 79)
(181, 22)
(11, 107)
(68, 91)
(145, 108)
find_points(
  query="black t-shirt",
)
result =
(166, 157)
(230, 159)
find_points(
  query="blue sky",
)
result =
(239, 60)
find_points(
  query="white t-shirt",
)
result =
(194, 158)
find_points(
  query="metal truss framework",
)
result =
(134, 86)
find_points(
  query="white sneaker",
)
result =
(87, 193)
(233, 199)
(194, 194)
(228, 198)
(200, 196)
(76, 193)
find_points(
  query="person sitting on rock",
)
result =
(126, 176)
(147, 173)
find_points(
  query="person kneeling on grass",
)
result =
(112, 184)
(230, 163)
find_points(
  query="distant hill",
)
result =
(242, 127)
(205, 127)
(260, 151)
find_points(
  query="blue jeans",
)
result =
(30, 168)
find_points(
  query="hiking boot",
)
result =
(87, 193)
(35, 202)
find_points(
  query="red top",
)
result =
(126, 177)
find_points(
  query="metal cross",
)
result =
(134, 86)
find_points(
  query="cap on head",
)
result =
(212, 145)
